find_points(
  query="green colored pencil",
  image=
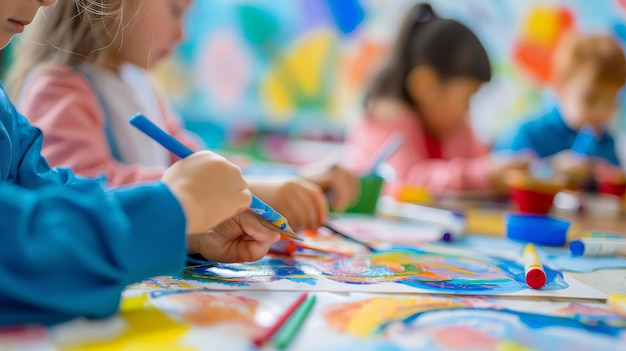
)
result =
(293, 324)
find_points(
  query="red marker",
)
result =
(535, 275)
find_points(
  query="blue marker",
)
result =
(177, 148)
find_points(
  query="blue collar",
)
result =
(555, 118)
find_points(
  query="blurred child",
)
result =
(588, 73)
(424, 90)
(68, 248)
(83, 76)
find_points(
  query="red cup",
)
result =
(531, 201)
(618, 189)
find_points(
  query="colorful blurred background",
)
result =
(252, 76)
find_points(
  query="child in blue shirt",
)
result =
(68, 247)
(588, 73)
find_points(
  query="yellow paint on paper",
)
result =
(617, 302)
(509, 345)
(147, 329)
(377, 311)
(135, 303)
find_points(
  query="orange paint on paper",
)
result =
(458, 337)
(363, 318)
(208, 309)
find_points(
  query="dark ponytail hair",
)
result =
(425, 39)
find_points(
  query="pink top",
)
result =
(61, 103)
(458, 162)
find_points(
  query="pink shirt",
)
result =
(61, 103)
(457, 162)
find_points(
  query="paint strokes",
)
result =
(246, 274)
(428, 323)
(202, 308)
(436, 271)
(416, 268)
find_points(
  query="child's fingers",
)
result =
(320, 205)
(259, 229)
(305, 206)
(253, 251)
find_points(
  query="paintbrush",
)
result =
(348, 237)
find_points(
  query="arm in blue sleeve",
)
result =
(516, 139)
(33, 170)
(69, 252)
(610, 154)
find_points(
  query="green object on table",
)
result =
(370, 192)
(293, 324)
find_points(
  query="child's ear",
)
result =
(422, 84)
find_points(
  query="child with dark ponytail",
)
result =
(424, 90)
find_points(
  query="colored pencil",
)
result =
(348, 237)
(291, 328)
(177, 148)
(260, 340)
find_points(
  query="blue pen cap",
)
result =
(577, 247)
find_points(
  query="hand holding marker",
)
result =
(180, 150)
(384, 152)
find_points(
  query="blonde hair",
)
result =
(598, 54)
(69, 32)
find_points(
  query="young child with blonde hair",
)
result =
(588, 73)
(83, 74)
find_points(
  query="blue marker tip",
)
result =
(577, 247)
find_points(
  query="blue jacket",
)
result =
(550, 135)
(67, 246)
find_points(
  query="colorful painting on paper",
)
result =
(204, 320)
(176, 320)
(436, 323)
(423, 268)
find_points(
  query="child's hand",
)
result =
(209, 188)
(577, 169)
(343, 185)
(301, 202)
(242, 238)
(502, 170)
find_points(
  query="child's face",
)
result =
(15, 14)
(446, 104)
(153, 31)
(586, 102)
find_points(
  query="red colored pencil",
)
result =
(260, 340)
